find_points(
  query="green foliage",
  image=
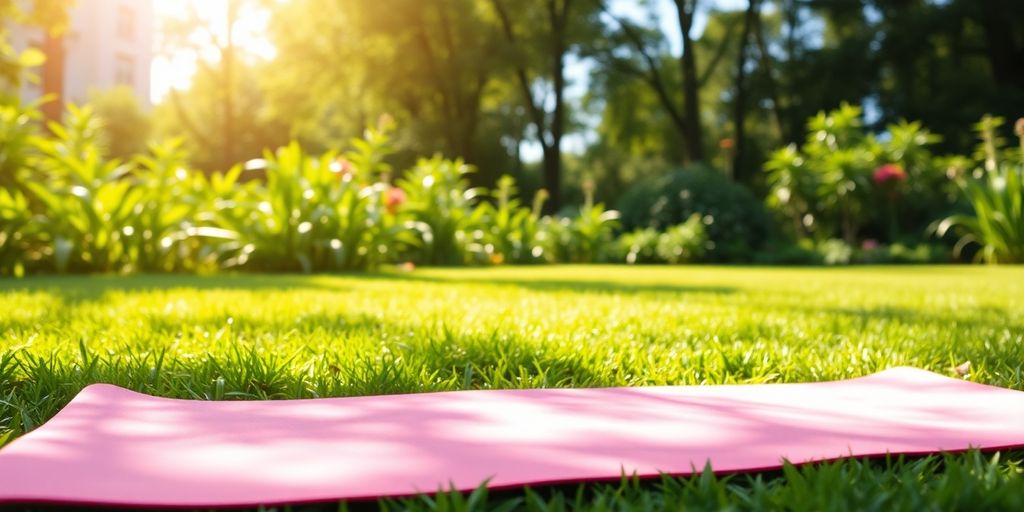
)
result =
(18, 129)
(583, 238)
(126, 127)
(162, 234)
(591, 234)
(640, 246)
(83, 196)
(70, 208)
(737, 223)
(16, 233)
(846, 183)
(316, 214)
(514, 232)
(49, 16)
(446, 211)
(997, 198)
(684, 243)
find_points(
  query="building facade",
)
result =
(108, 43)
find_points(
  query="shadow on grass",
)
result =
(81, 288)
(974, 317)
(544, 284)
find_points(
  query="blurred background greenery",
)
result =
(449, 132)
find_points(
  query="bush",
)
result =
(845, 183)
(788, 252)
(640, 246)
(902, 254)
(446, 211)
(997, 197)
(737, 223)
(684, 243)
(513, 231)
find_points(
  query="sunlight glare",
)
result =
(174, 68)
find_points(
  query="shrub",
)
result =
(512, 231)
(586, 237)
(446, 212)
(738, 223)
(835, 252)
(900, 253)
(684, 243)
(16, 232)
(84, 198)
(997, 198)
(846, 183)
(18, 132)
(317, 214)
(640, 246)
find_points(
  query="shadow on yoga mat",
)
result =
(111, 446)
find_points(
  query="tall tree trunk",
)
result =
(693, 135)
(553, 152)
(768, 68)
(739, 171)
(550, 128)
(791, 14)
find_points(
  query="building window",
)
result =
(125, 22)
(124, 70)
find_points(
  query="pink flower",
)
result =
(342, 167)
(394, 198)
(889, 172)
(869, 245)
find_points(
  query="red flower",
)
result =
(889, 172)
(393, 198)
(726, 144)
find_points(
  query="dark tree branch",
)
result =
(719, 53)
(652, 74)
(536, 114)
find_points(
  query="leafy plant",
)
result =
(446, 212)
(17, 233)
(84, 197)
(684, 243)
(997, 198)
(585, 237)
(512, 229)
(315, 214)
(18, 132)
(640, 246)
(844, 182)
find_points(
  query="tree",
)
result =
(431, 64)
(196, 116)
(540, 37)
(194, 34)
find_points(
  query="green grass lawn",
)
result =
(275, 337)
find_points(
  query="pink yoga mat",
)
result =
(111, 446)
